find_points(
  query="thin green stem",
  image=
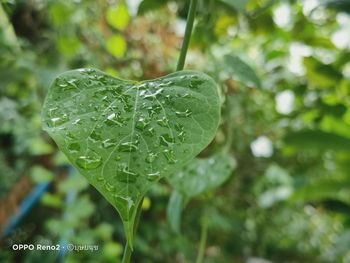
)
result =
(187, 37)
(127, 253)
(204, 236)
(127, 248)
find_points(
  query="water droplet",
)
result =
(109, 143)
(95, 136)
(125, 202)
(89, 161)
(70, 136)
(52, 112)
(164, 122)
(153, 176)
(185, 113)
(196, 81)
(69, 84)
(128, 107)
(179, 127)
(57, 121)
(151, 157)
(154, 110)
(169, 155)
(109, 187)
(182, 136)
(128, 147)
(77, 121)
(125, 175)
(142, 123)
(74, 147)
(166, 139)
(100, 178)
(116, 119)
(169, 100)
(150, 132)
(149, 95)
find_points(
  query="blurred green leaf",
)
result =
(116, 45)
(7, 33)
(52, 200)
(321, 75)
(68, 45)
(37, 146)
(60, 12)
(118, 16)
(323, 189)
(202, 175)
(275, 186)
(339, 5)
(174, 211)
(237, 5)
(40, 174)
(317, 140)
(149, 5)
(241, 71)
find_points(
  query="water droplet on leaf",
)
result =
(151, 157)
(128, 147)
(164, 122)
(109, 143)
(89, 161)
(125, 175)
(169, 155)
(185, 113)
(153, 176)
(74, 147)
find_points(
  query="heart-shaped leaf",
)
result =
(123, 135)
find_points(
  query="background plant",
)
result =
(287, 202)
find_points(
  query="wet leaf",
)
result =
(197, 177)
(123, 136)
(201, 175)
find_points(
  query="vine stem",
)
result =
(127, 248)
(204, 236)
(187, 37)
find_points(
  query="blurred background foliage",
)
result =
(283, 68)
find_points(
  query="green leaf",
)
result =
(174, 210)
(241, 71)
(40, 174)
(317, 140)
(339, 5)
(118, 16)
(237, 5)
(321, 75)
(324, 189)
(202, 175)
(148, 5)
(124, 135)
(116, 45)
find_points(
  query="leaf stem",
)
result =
(204, 236)
(127, 248)
(187, 37)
